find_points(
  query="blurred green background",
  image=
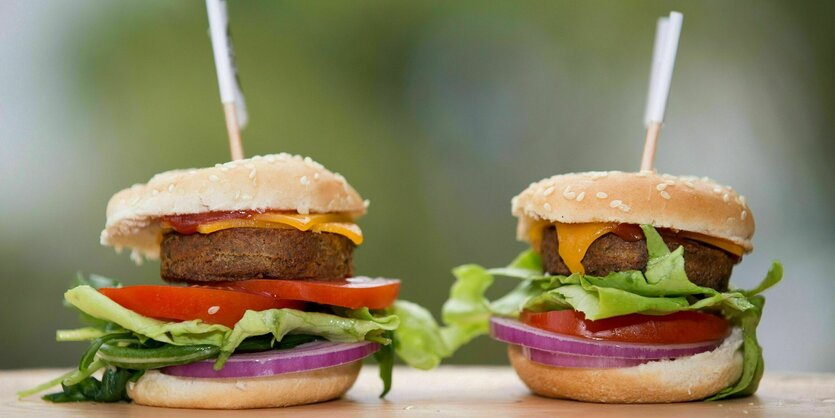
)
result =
(437, 111)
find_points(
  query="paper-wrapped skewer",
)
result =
(234, 106)
(663, 61)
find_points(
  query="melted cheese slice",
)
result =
(716, 242)
(335, 224)
(535, 232)
(575, 239)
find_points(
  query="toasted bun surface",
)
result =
(683, 203)
(157, 389)
(684, 379)
(272, 182)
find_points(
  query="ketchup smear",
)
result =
(187, 224)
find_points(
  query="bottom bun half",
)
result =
(680, 380)
(158, 389)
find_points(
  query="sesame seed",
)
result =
(665, 195)
(717, 190)
(249, 165)
(155, 192)
(304, 180)
(237, 195)
(726, 198)
(742, 200)
(743, 215)
(514, 201)
(213, 310)
(547, 207)
(315, 176)
(270, 158)
(170, 187)
(661, 186)
(601, 195)
(615, 203)
(690, 184)
(224, 168)
(213, 178)
(568, 194)
(252, 174)
(581, 196)
(624, 208)
(548, 191)
(366, 203)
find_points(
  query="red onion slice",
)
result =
(551, 358)
(310, 356)
(514, 332)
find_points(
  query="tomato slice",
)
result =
(353, 292)
(213, 306)
(676, 328)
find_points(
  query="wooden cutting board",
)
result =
(455, 392)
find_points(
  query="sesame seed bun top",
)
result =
(678, 202)
(272, 182)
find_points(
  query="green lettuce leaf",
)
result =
(96, 282)
(385, 360)
(418, 340)
(662, 289)
(753, 365)
(467, 310)
(79, 334)
(361, 325)
(111, 388)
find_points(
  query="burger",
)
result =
(624, 295)
(262, 308)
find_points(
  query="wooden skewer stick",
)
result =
(650, 142)
(236, 147)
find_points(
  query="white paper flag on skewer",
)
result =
(227, 76)
(663, 61)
